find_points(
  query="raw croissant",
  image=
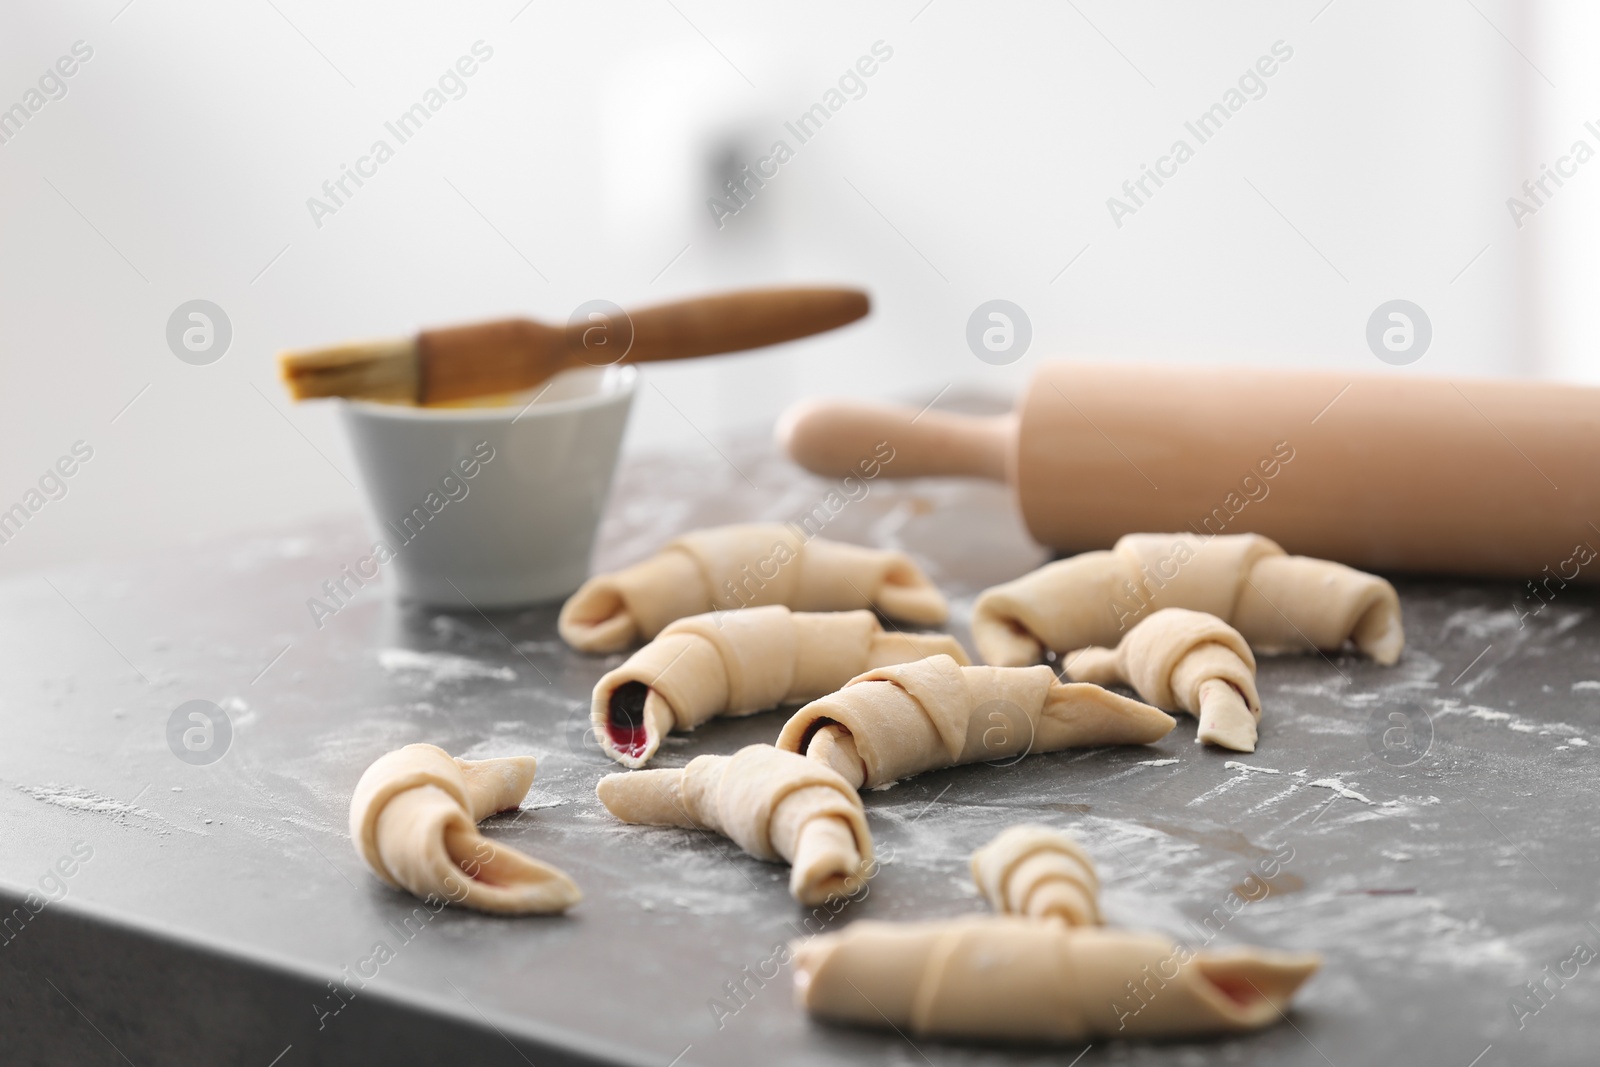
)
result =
(1038, 873)
(414, 819)
(1280, 603)
(901, 720)
(774, 805)
(729, 567)
(1012, 979)
(738, 663)
(1182, 660)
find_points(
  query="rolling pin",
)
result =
(1381, 472)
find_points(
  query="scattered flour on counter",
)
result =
(439, 667)
(84, 800)
(92, 803)
(1229, 783)
(1217, 790)
(1569, 620)
(1580, 742)
(1505, 718)
(1483, 624)
(539, 799)
(1155, 763)
(1275, 799)
(1328, 688)
(1577, 686)
(239, 713)
(1325, 725)
(552, 647)
(1339, 787)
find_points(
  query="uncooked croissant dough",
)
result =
(897, 721)
(1182, 660)
(1280, 603)
(1013, 979)
(774, 805)
(729, 567)
(414, 819)
(738, 663)
(1038, 873)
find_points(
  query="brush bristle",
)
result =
(367, 370)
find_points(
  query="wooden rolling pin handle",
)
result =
(832, 437)
(733, 322)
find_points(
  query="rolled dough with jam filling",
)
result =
(414, 820)
(1182, 660)
(1038, 873)
(1280, 603)
(739, 663)
(1003, 978)
(773, 804)
(729, 567)
(896, 721)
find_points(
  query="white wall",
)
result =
(1558, 242)
(976, 165)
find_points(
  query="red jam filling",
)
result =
(625, 722)
(812, 730)
(1238, 990)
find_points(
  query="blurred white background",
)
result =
(578, 164)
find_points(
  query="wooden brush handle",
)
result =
(831, 437)
(463, 362)
(732, 322)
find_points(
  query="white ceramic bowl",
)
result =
(491, 507)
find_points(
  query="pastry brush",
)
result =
(506, 356)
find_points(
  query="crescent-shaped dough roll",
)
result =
(1003, 978)
(1280, 603)
(739, 663)
(1038, 873)
(774, 805)
(896, 721)
(728, 567)
(1182, 660)
(414, 820)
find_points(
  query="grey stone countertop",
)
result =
(1438, 876)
